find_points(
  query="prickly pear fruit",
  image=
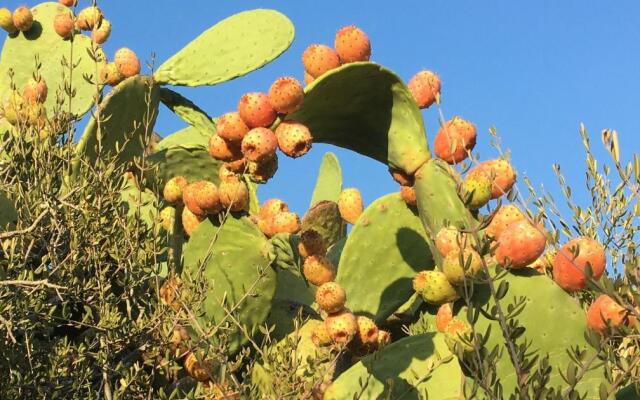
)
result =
(352, 44)
(190, 221)
(198, 370)
(294, 139)
(101, 34)
(443, 316)
(342, 326)
(286, 95)
(189, 199)
(320, 335)
(14, 109)
(262, 171)
(256, 110)
(544, 262)
(434, 287)
(63, 25)
(311, 244)
(460, 265)
(384, 338)
(285, 222)
(350, 205)
(6, 21)
(207, 197)
(477, 191)
(35, 91)
(455, 140)
(127, 62)
(22, 19)
(259, 144)
(505, 216)
(272, 207)
(68, 3)
(449, 239)
(520, 244)
(172, 191)
(225, 174)
(318, 270)
(501, 174)
(170, 291)
(89, 18)
(110, 75)
(178, 337)
(167, 218)
(237, 166)
(234, 195)
(318, 59)
(571, 260)
(458, 335)
(331, 297)
(367, 331)
(408, 194)
(401, 177)
(308, 78)
(231, 127)
(223, 150)
(604, 309)
(425, 88)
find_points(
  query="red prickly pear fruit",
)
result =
(231, 127)
(458, 335)
(89, 18)
(285, 222)
(127, 62)
(367, 331)
(234, 195)
(605, 310)
(22, 19)
(262, 171)
(318, 270)
(436, 289)
(320, 335)
(443, 316)
(455, 265)
(311, 244)
(501, 174)
(520, 244)
(6, 21)
(342, 326)
(571, 260)
(425, 88)
(294, 139)
(190, 221)
(352, 44)
(384, 338)
(476, 190)
(455, 140)
(401, 177)
(68, 3)
(167, 218)
(259, 144)
(206, 197)
(450, 239)
(350, 205)
(100, 35)
(308, 78)
(331, 297)
(63, 25)
(35, 91)
(272, 207)
(222, 150)
(237, 166)
(318, 59)
(286, 95)
(256, 110)
(505, 216)
(172, 191)
(109, 75)
(408, 194)
(198, 370)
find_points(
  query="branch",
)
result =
(43, 282)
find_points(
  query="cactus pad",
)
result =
(329, 181)
(189, 112)
(325, 218)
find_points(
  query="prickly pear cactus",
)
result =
(329, 181)
(188, 111)
(324, 217)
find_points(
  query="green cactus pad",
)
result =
(366, 108)
(233, 47)
(128, 114)
(325, 218)
(384, 251)
(238, 252)
(19, 52)
(188, 111)
(329, 181)
(406, 363)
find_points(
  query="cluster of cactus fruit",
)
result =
(210, 169)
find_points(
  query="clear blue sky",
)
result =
(535, 71)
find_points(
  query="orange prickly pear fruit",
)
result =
(318, 59)
(443, 316)
(367, 331)
(505, 216)
(457, 334)
(450, 238)
(320, 335)
(455, 140)
(259, 144)
(308, 78)
(455, 267)
(22, 19)
(408, 194)
(231, 127)
(6, 21)
(178, 337)
(109, 75)
(434, 287)
(294, 139)
(401, 177)
(262, 171)
(234, 195)
(207, 197)
(169, 291)
(190, 221)
(604, 309)
(318, 270)
(520, 244)
(68, 3)
(272, 207)
(384, 338)
(331, 297)
(101, 34)
(500, 172)
(189, 199)
(571, 260)
(223, 150)
(198, 370)
(265, 226)
(285, 222)
(225, 174)
(172, 191)
(350, 205)
(352, 44)
(477, 191)
(127, 62)
(89, 18)
(256, 110)
(35, 91)
(286, 95)
(311, 244)
(425, 88)
(342, 326)
(63, 25)
(238, 166)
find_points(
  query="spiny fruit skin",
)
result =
(238, 166)
(520, 244)
(425, 88)
(308, 78)
(331, 297)
(352, 44)
(89, 18)
(320, 335)
(286, 95)
(384, 338)
(294, 138)
(190, 221)
(311, 244)
(342, 326)
(478, 190)
(436, 288)
(500, 172)
(367, 331)
(265, 226)
(401, 177)
(285, 222)
(455, 270)
(454, 140)
(234, 195)
(454, 333)
(443, 316)
(272, 207)
(100, 35)
(207, 197)
(6, 21)
(318, 270)
(169, 291)
(68, 3)
(318, 59)
(449, 239)
(223, 150)
(127, 62)
(568, 270)
(167, 218)
(225, 174)
(262, 171)
(256, 110)
(189, 199)
(231, 127)
(505, 216)
(35, 91)
(259, 144)
(172, 191)
(408, 194)
(110, 75)
(198, 370)
(22, 19)
(63, 25)
(604, 309)
(350, 205)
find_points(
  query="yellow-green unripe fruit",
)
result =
(456, 266)
(434, 287)
(167, 218)
(458, 335)
(6, 21)
(476, 190)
